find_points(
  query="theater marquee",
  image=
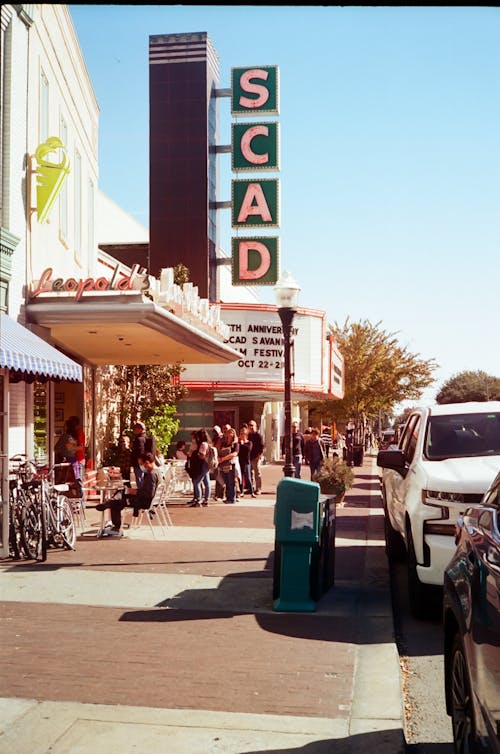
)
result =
(255, 331)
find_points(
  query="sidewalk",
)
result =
(171, 644)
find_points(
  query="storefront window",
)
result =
(40, 423)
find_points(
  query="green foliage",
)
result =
(132, 390)
(162, 424)
(470, 386)
(334, 475)
(181, 274)
(379, 372)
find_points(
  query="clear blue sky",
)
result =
(390, 155)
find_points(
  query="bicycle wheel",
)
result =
(15, 511)
(66, 523)
(32, 531)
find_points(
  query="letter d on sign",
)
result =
(255, 261)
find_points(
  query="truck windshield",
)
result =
(462, 436)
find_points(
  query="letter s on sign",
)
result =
(261, 91)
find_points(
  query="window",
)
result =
(44, 108)
(78, 207)
(463, 436)
(407, 431)
(412, 439)
(40, 421)
(63, 196)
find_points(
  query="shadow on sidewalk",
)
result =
(376, 742)
(251, 593)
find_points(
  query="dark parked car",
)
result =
(471, 604)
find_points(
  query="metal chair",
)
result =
(159, 508)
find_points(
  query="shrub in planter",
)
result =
(334, 477)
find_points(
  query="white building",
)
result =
(65, 307)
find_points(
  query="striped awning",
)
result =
(25, 352)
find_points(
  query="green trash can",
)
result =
(297, 529)
(323, 554)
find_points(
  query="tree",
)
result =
(161, 422)
(379, 373)
(469, 386)
(127, 394)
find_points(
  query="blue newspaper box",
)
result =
(296, 520)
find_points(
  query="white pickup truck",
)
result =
(445, 460)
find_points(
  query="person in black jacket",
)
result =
(140, 499)
(142, 443)
(256, 455)
(314, 452)
(297, 448)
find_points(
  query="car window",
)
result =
(403, 440)
(463, 435)
(411, 439)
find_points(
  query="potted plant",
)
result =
(334, 477)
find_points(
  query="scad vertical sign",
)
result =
(255, 201)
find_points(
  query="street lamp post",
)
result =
(287, 294)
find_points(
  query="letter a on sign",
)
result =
(254, 91)
(255, 261)
(255, 203)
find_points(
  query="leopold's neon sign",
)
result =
(137, 280)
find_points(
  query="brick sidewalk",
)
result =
(188, 649)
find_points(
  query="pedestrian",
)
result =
(217, 438)
(137, 499)
(191, 461)
(244, 459)
(180, 451)
(257, 441)
(297, 448)
(142, 443)
(74, 429)
(314, 451)
(200, 470)
(228, 455)
(326, 439)
(124, 456)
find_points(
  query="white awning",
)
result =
(126, 329)
(23, 351)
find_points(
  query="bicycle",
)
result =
(25, 529)
(57, 524)
(60, 522)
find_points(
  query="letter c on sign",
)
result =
(265, 260)
(247, 86)
(246, 141)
